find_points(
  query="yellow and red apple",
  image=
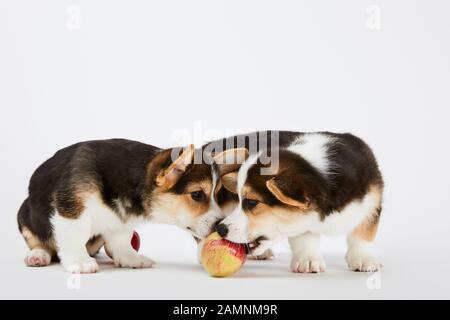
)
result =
(222, 258)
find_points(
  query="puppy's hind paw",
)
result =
(37, 258)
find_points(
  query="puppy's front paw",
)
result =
(266, 255)
(134, 261)
(363, 263)
(86, 265)
(308, 265)
(37, 258)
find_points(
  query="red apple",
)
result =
(135, 243)
(222, 258)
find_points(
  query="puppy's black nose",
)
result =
(222, 229)
(217, 223)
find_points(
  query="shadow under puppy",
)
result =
(323, 183)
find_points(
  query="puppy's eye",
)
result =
(198, 196)
(249, 204)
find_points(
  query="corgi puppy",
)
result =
(93, 193)
(323, 183)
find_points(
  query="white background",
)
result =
(145, 70)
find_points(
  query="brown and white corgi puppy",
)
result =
(324, 183)
(92, 194)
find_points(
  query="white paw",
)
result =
(266, 255)
(363, 263)
(133, 261)
(308, 265)
(37, 258)
(87, 265)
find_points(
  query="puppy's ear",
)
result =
(168, 177)
(230, 160)
(288, 193)
(229, 181)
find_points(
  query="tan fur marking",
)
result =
(176, 203)
(75, 211)
(31, 240)
(71, 205)
(94, 245)
(367, 230)
(229, 181)
(195, 208)
(205, 186)
(34, 242)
